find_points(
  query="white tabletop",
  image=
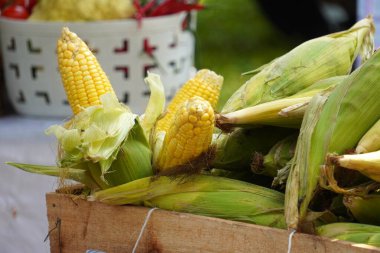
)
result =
(23, 220)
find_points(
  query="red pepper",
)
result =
(28, 4)
(173, 6)
(142, 11)
(3, 3)
(15, 11)
(166, 7)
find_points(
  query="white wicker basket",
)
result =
(30, 66)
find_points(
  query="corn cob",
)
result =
(331, 125)
(365, 209)
(287, 112)
(82, 76)
(234, 151)
(368, 163)
(316, 59)
(189, 136)
(352, 232)
(84, 10)
(205, 84)
(277, 157)
(370, 141)
(205, 195)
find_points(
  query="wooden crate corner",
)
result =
(77, 225)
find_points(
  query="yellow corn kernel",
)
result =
(206, 84)
(185, 140)
(82, 76)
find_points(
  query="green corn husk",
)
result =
(106, 142)
(286, 112)
(150, 187)
(277, 157)
(352, 232)
(282, 175)
(234, 151)
(316, 59)
(370, 141)
(331, 125)
(364, 209)
(232, 205)
(79, 175)
(204, 195)
(156, 103)
(133, 160)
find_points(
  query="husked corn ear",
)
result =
(368, 163)
(82, 76)
(189, 135)
(316, 59)
(365, 209)
(205, 84)
(370, 141)
(333, 126)
(352, 232)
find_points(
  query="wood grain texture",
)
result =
(114, 229)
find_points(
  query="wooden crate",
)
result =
(114, 229)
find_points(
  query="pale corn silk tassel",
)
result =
(143, 228)
(293, 231)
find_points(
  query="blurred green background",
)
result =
(235, 36)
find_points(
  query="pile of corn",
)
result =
(297, 146)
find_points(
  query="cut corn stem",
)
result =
(270, 113)
(368, 163)
(287, 112)
(370, 141)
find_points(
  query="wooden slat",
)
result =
(114, 229)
